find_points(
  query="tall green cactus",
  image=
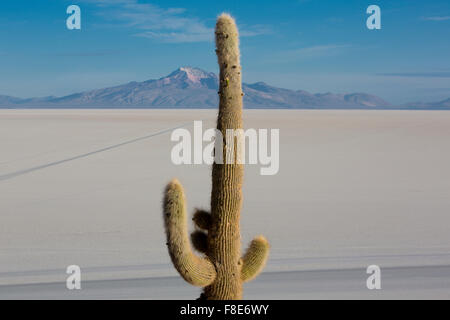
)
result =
(221, 270)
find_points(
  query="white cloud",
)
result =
(163, 24)
(177, 37)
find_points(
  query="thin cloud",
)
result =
(87, 54)
(416, 74)
(436, 18)
(171, 25)
(253, 31)
(176, 37)
(314, 51)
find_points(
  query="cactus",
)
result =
(220, 270)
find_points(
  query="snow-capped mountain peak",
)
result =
(191, 77)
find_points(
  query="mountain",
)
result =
(193, 87)
(263, 95)
(12, 101)
(443, 103)
(440, 104)
(7, 100)
(186, 87)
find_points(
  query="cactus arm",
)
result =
(195, 270)
(202, 219)
(254, 259)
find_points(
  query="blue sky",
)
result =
(314, 45)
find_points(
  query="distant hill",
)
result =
(440, 104)
(7, 100)
(193, 87)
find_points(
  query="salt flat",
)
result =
(354, 188)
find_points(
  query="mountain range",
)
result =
(193, 87)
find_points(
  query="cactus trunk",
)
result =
(226, 197)
(221, 271)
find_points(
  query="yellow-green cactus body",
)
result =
(224, 239)
(222, 271)
(195, 270)
(254, 259)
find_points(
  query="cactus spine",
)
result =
(221, 271)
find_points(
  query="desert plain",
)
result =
(355, 188)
